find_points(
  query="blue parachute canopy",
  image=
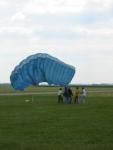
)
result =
(39, 68)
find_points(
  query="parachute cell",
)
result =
(39, 68)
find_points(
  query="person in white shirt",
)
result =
(60, 95)
(83, 94)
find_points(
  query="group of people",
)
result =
(67, 96)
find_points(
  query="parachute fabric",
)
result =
(41, 67)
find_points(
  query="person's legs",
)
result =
(58, 98)
(61, 99)
(70, 100)
(83, 99)
(65, 99)
(80, 98)
(75, 100)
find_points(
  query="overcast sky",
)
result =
(77, 32)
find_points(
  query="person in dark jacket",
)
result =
(66, 95)
(70, 93)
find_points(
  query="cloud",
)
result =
(66, 6)
(18, 16)
(78, 32)
(59, 6)
(29, 15)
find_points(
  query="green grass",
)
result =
(9, 89)
(45, 125)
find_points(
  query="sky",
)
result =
(79, 33)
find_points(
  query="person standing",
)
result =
(70, 95)
(66, 95)
(83, 95)
(60, 95)
(77, 96)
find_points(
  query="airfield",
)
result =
(42, 124)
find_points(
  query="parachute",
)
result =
(41, 67)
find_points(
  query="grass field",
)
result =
(46, 125)
(37, 89)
